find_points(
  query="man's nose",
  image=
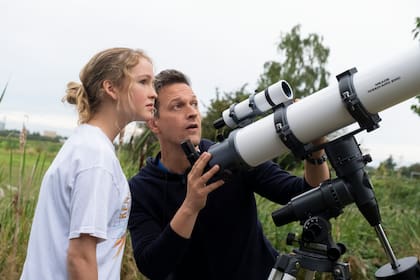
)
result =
(192, 110)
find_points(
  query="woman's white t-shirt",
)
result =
(83, 191)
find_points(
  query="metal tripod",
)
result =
(317, 252)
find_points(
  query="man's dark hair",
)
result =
(166, 78)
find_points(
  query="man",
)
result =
(184, 227)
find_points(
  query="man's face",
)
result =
(179, 117)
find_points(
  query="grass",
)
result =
(21, 171)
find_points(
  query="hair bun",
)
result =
(73, 90)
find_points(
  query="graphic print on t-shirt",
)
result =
(122, 224)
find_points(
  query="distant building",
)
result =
(2, 126)
(50, 134)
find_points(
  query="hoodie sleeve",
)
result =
(157, 248)
(276, 184)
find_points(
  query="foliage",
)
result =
(133, 154)
(387, 166)
(31, 136)
(410, 171)
(302, 64)
(217, 106)
(21, 172)
(416, 34)
(416, 29)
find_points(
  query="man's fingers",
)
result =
(198, 169)
(211, 187)
(201, 163)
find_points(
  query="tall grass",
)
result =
(19, 183)
(22, 169)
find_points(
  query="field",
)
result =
(22, 168)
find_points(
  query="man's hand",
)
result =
(196, 197)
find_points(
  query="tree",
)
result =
(215, 109)
(387, 166)
(302, 64)
(416, 34)
(408, 171)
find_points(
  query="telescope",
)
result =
(356, 97)
(242, 114)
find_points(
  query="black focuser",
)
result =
(190, 151)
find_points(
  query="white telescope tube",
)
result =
(324, 112)
(379, 88)
(258, 103)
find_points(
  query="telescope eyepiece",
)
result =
(286, 89)
(219, 123)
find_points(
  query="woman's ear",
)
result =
(110, 89)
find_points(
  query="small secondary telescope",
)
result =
(241, 114)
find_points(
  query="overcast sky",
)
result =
(219, 44)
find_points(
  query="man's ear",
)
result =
(110, 89)
(151, 124)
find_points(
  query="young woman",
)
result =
(80, 222)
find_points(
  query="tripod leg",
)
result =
(342, 271)
(285, 268)
(277, 275)
(310, 275)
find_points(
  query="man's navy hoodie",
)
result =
(227, 241)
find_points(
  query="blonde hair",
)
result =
(111, 64)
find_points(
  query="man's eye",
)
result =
(177, 106)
